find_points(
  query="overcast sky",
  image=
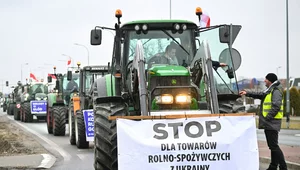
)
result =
(38, 32)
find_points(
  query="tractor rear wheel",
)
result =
(11, 110)
(71, 125)
(106, 156)
(80, 131)
(16, 112)
(49, 121)
(28, 117)
(59, 120)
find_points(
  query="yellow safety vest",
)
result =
(268, 104)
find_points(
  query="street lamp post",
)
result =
(22, 71)
(170, 9)
(287, 68)
(86, 50)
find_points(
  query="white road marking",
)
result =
(62, 152)
(298, 135)
(82, 156)
(48, 161)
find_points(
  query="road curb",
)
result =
(48, 161)
(290, 165)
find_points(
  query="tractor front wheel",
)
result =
(49, 121)
(59, 120)
(16, 112)
(28, 117)
(72, 138)
(80, 131)
(106, 156)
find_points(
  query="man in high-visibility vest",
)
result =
(270, 117)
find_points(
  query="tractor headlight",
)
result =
(183, 99)
(164, 99)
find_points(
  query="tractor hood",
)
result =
(168, 70)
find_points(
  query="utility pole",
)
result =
(170, 9)
(287, 68)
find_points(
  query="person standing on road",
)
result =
(270, 117)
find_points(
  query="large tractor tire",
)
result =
(16, 112)
(106, 156)
(22, 113)
(80, 131)
(8, 109)
(72, 137)
(11, 109)
(28, 117)
(49, 121)
(59, 120)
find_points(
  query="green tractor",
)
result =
(34, 101)
(81, 106)
(144, 82)
(16, 100)
(10, 107)
(58, 102)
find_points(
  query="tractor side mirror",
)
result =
(96, 36)
(224, 33)
(49, 78)
(69, 75)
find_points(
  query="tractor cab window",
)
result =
(224, 84)
(90, 78)
(163, 47)
(38, 88)
(69, 85)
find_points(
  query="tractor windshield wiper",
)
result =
(168, 34)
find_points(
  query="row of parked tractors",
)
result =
(60, 101)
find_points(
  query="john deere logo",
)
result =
(173, 81)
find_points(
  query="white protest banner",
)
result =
(204, 143)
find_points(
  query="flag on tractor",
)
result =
(32, 76)
(205, 20)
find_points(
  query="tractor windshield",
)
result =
(224, 84)
(163, 43)
(68, 86)
(38, 88)
(90, 77)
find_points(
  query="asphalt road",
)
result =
(286, 137)
(69, 157)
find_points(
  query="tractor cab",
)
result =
(89, 74)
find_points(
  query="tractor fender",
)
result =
(76, 103)
(59, 103)
(102, 91)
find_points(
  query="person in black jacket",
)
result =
(270, 117)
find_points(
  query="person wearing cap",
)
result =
(270, 117)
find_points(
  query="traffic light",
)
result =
(7, 83)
